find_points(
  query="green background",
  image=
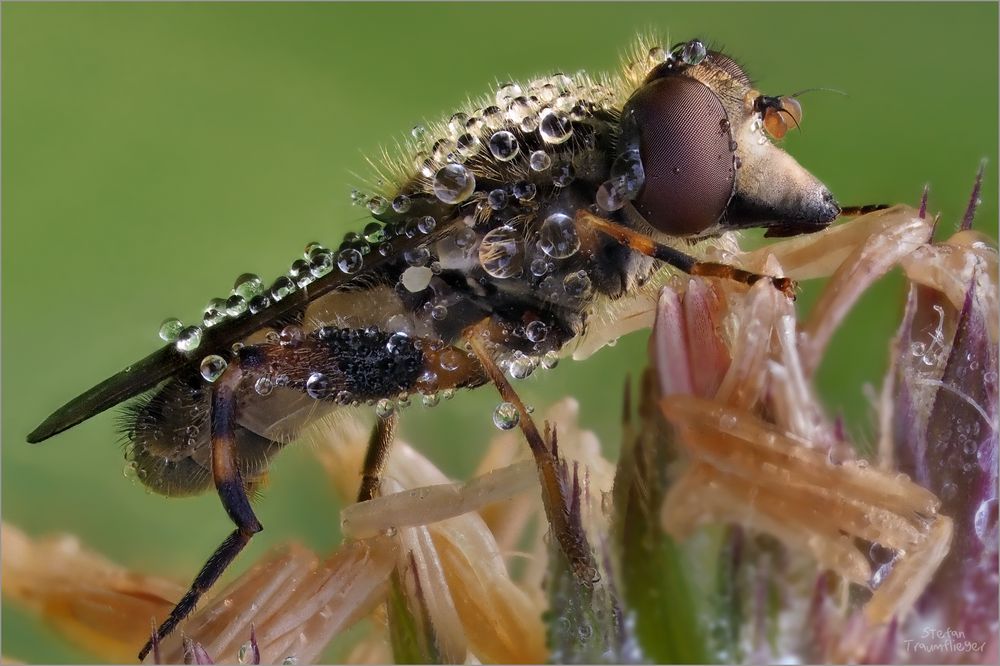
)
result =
(152, 152)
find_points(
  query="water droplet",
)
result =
(453, 184)
(504, 146)
(350, 261)
(467, 144)
(525, 190)
(426, 224)
(493, 117)
(557, 236)
(985, 523)
(550, 360)
(212, 367)
(506, 93)
(318, 386)
(430, 399)
(457, 123)
(657, 55)
(215, 312)
(948, 491)
(442, 148)
(539, 160)
(539, 266)
(236, 305)
(563, 174)
(497, 199)
(378, 205)
(400, 204)
(439, 312)
(291, 336)
(528, 124)
(577, 285)
(555, 128)
(536, 331)
(521, 366)
(693, 52)
(282, 287)
(245, 655)
(417, 256)
(384, 408)
(609, 196)
(259, 303)
(248, 285)
(321, 264)
(500, 252)
(419, 133)
(506, 416)
(263, 386)
(290, 660)
(170, 329)
(450, 359)
(188, 338)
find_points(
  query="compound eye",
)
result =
(682, 132)
(779, 115)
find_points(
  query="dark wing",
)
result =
(168, 361)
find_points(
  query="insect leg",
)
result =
(652, 248)
(376, 456)
(229, 484)
(555, 494)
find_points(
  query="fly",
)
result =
(496, 244)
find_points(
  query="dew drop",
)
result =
(506, 93)
(557, 236)
(430, 399)
(609, 196)
(188, 338)
(577, 285)
(497, 199)
(248, 285)
(539, 266)
(290, 660)
(400, 204)
(525, 190)
(493, 117)
(384, 408)
(378, 205)
(426, 224)
(259, 303)
(539, 161)
(450, 359)
(349, 261)
(236, 305)
(505, 416)
(417, 256)
(504, 146)
(529, 124)
(555, 128)
(419, 133)
(439, 312)
(985, 523)
(453, 184)
(657, 55)
(245, 655)
(457, 123)
(263, 386)
(215, 312)
(521, 366)
(550, 360)
(500, 253)
(212, 367)
(291, 336)
(693, 52)
(467, 144)
(170, 329)
(321, 264)
(397, 342)
(281, 288)
(318, 386)
(563, 174)
(536, 331)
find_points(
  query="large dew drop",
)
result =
(170, 329)
(453, 184)
(500, 252)
(212, 367)
(505, 416)
(557, 236)
(504, 146)
(318, 386)
(189, 338)
(555, 128)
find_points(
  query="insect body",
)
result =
(517, 221)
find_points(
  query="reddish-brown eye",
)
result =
(682, 132)
(774, 123)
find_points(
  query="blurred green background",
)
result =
(152, 152)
